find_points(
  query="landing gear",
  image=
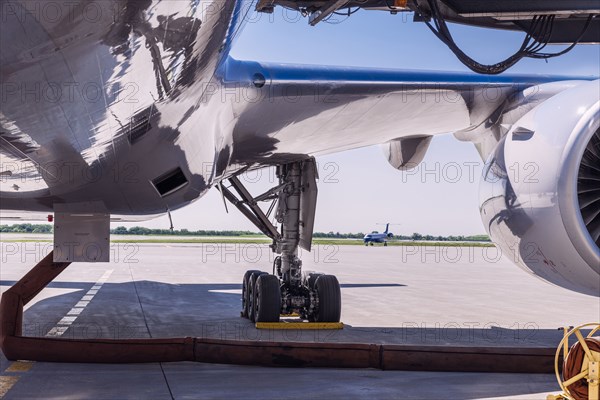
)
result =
(314, 296)
(252, 294)
(267, 299)
(330, 299)
(246, 293)
(384, 244)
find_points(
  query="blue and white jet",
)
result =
(376, 237)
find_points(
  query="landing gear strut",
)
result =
(315, 297)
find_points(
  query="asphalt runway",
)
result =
(404, 295)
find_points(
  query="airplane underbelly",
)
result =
(99, 103)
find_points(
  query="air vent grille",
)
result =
(170, 182)
(140, 124)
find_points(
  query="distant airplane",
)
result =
(376, 237)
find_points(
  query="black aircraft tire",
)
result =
(267, 299)
(245, 294)
(251, 293)
(330, 299)
(310, 278)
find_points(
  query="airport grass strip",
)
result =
(316, 242)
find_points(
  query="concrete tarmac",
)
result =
(405, 295)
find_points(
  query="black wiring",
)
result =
(347, 14)
(536, 39)
(390, 7)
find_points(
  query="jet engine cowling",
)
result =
(540, 193)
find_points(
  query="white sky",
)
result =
(359, 189)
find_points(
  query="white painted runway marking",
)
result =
(65, 323)
(226, 291)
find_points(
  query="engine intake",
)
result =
(588, 187)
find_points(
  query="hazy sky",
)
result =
(358, 189)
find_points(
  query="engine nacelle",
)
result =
(540, 193)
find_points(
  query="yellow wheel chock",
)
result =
(293, 322)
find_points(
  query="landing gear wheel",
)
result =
(330, 299)
(251, 296)
(385, 244)
(245, 292)
(267, 299)
(310, 278)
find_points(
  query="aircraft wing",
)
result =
(301, 109)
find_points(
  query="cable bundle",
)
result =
(537, 38)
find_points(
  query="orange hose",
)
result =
(573, 365)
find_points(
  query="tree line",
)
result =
(141, 231)
(414, 236)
